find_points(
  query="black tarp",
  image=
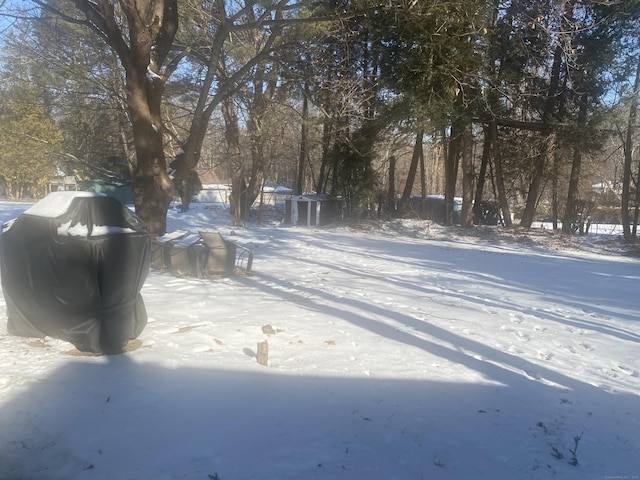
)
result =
(72, 267)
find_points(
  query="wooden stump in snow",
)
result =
(263, 353)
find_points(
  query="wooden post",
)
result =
(263, 353)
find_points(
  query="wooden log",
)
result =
(263, 353)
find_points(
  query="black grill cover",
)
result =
(72, 268)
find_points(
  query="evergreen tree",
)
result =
(29, 140)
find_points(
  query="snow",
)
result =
(401, 350)
(80, 230)
(57, 203)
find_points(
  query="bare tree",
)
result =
(143, 35)
(232, 45)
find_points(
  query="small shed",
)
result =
(312, 210)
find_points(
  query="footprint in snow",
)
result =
(515, 318)
(576, 331)
(629, 371)
(587, 347)
(545, 355)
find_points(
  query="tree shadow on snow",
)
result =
(571, 283)
(131, 417)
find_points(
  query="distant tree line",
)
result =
(519, 107)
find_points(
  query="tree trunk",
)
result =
(533, 194)
(391, 191)
(467, 174)
(574, 178)
(304, 140)
(225, 83)
(325, 162)
(413, 168)
(142, 34)
(549, 145)
(451, 169)
(636, 213)
(340, 150)
(256, 173)
(482, 175)
(235, 163)
(497, 161)
(628, 158)
(186, 162)
(152, 187)
(185, 168)
(423, 175)
(625, 215)
(554, 192)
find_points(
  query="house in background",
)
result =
(62, 183)
(121, 192)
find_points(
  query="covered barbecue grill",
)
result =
(72, 267)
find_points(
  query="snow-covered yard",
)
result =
(396, 351)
